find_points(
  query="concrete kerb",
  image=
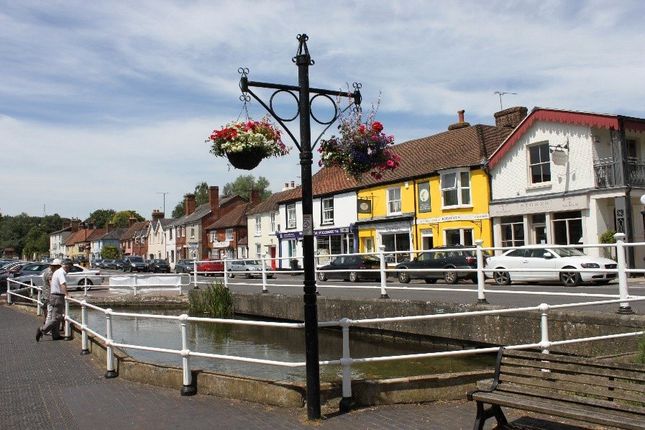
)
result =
(417, 389)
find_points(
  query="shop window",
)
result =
(397, 242)
(328, 211)
(512, 231)
(540, 163)
(455, 188)
(567, 228)
(459, 236)
(394, 201)
(291, 216)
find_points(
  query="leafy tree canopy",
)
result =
(110, 252)
(201, 197)
(121, 218)
(100, 217)
(28, 235)
(244, 184)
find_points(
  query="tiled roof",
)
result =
(462, 147)
(132, 230)
(77, 237)
(235, 218)
(114, 234)
(270, 204)
(96, 234)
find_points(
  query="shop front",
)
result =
(395, 235)
(333, 241)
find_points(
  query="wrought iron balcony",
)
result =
(636, 172)
(608, 173)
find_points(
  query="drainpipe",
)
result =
(629, 227)
(414, 220)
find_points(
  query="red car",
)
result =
(211, 268)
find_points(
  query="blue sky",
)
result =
(106, 105)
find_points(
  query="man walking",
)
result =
(57, 302)
(46, 290)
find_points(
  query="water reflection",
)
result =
(270, 343)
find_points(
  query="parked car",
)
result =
(184, 266)
(77, 277)
(97, 263)
(158, 266)
(543, 257)
(447, 257)
(211, 267)
(134, 263)
(252, 268)
(345, 267)
(9, 270)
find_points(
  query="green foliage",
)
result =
(640, 358)
(608, 237)
(244, 184)
(178, 211)
(201, 193)
(214, 301)
(121, 218)
(28, 235)
(101, 217)
(110, 252)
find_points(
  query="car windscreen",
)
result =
(136, 259)
(568, 252)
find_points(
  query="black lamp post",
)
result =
(302, 93)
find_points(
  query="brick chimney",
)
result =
(189, 204)
(110, 227)
(157, 215)
(131, 221)
(460, 121)
(213, 200)
(510, 117)
(255, 197)
(75, 224)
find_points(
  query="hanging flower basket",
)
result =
(246, 143)
(359, 148)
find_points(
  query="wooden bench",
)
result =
(583, 389)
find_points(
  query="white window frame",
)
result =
(291, 216)
(462, 235)
(457, 186)
(272, 222)
(229, 234)
(258, 225)
(539, 163)
(327, 212)
(393, 203)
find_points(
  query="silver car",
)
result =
(77, 277)
(251, 268)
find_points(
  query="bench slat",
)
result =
(536, 355)
(546, 363)
(597, 415)
(580, 391)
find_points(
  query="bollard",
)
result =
(623, 291)
(84, 344)
(544, 328)
(481, 279)
(39, 305)
(109, 354)
(381, 256)
(68, 325)
(346, 363)
(264, 273)
(188, 388)
(9, 301)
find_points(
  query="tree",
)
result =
(201, 197)
(109, 252)
(244, 184)
(178, 211)
(100, 217)
(121, 218)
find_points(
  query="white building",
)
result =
(566, 177)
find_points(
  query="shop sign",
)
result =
(539, 206)
(424, 197)
(289, 235)
(448, 218)
(332, 231)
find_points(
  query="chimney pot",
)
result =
(461, 115)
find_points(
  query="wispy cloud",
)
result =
(103, 105)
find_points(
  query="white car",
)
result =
(252, 268)
(543, 257)
(77, 277)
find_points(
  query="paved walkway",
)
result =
(49, 385)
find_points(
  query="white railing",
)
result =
(345, 361)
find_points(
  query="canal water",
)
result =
(270, 343)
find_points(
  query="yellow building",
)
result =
(438, 196)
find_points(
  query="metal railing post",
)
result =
(39, 306)
(134, 287)
(9, 301)
(346, 363)
(544, 328)
(68, 325)
(381, 256)
(109, 354)
(623, 290)
(84, 344)
(188, 388)
(481, 279)
(264, 273)
(85, 286)
(225, 273)
(195, 274)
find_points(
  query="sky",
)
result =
(106, 105)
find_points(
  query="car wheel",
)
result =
(83, 282)
(502, 278)
(430, 280)
(322, 277)
(570, 279)
(450, 277)
(247, 275)
(404, 277)
(473, 279)
(353, 277)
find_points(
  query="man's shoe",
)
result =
(58, 338)
(39, 334)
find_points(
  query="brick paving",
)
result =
(49, 385)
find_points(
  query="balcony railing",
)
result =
(636, 172)
(608, 173)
